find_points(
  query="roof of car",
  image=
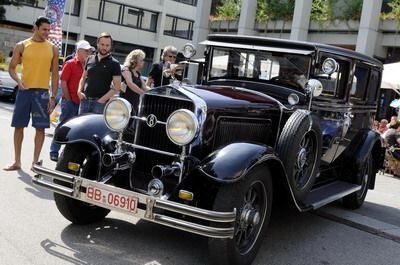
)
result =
(307, 47)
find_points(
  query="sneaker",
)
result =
(54, 157)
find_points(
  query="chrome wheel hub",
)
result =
(249, 216)
(302, 157)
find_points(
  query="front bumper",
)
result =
(75, 187)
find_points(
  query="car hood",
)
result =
(225, 97)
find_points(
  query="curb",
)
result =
(361, 222)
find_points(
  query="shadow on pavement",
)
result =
(115, 241)
(27, 179)
(380, 212)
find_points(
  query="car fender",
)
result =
(371, 144)
(232, 162)
(85, 129)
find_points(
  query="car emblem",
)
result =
(151, 120)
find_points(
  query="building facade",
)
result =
(148, 25)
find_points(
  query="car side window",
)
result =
(360, 80)
(373, 86)
(335, 84)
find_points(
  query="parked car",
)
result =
(8, 87)
(272, 117)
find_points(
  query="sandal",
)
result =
(12, 167)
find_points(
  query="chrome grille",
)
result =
(156, 137)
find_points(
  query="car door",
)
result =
(362, 101)
(331, 106)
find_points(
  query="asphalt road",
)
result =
(33, 232)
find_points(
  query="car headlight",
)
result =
(182, 126)
(117, 113)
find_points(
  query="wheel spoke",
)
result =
(253, 198)
(239, 237)
(306, 142)
(248, 196)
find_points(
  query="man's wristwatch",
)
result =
(52, 97)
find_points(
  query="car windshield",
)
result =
(279, 68)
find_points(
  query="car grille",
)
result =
(156, 137)
(234, 130)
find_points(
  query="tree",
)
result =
(229, 9)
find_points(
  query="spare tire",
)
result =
(299, 148)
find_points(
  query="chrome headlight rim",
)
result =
(127, 110)
(196, 126)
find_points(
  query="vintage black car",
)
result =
(271, 119)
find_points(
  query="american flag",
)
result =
(55, 11)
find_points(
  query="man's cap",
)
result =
(82, 44)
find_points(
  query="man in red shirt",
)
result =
(70, 76)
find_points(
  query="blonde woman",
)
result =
(135, 85)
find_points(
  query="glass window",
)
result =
(169, 25)
(188, 2)
(75, 8)
(178, 27)
(41, 4)
(284, 69)
(132, 16)
(183, 28)
(28, 2)
(94, 9)
(111, 12)
(149, 21)
(336, 83)
(373, 86)
(360, 80)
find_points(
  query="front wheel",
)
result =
(252, 198)
(78, 212)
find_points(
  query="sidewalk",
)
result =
(380, 214)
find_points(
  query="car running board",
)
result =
(326, 194)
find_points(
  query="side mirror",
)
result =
(314, 87)
(188, 51)
(329, 66)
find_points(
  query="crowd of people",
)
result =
(88, 80)
(389, 131)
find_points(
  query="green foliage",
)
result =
(394, 13)
(281, 9)
(352, 11)
(274, 10)
(228, 10)
(322, 10)
(262, 11)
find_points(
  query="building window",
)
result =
(188, 2)
(178, 27)
(94, 7)
(75, 8)
(122, 14)
(111, 12)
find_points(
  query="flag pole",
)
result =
(66, 37)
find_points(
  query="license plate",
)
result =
(111, 198)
